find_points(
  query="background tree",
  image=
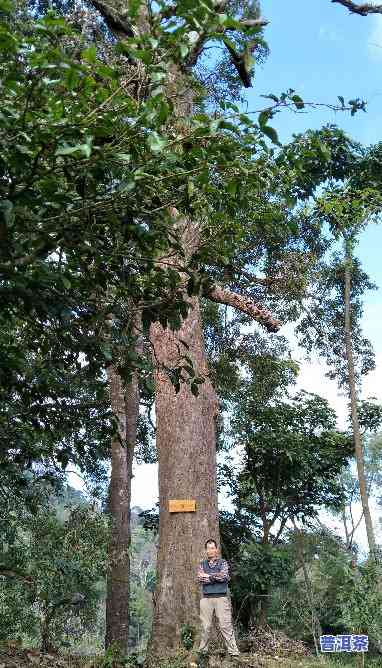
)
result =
(51, 571)
(348, 353)
(292, 457)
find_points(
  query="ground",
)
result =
(17, 658)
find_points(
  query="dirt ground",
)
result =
(13, 656)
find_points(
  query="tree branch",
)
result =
(356, 526)
(244, 304)
(115, 21)
(253, 23)
(363, 10)
(11, 573)
(281, 529)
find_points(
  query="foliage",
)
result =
(293, 456)
(142, 584)
(362, 600)
(52, 571)
(84, 224)
(94, 152)
(188, 633)
(259, 569)
(346, 207)
(326, 562)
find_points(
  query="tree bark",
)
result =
(125, 406)
(186, 445)
(263, 612)
(354, 406)
(244, 304)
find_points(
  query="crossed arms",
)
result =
(220, 576)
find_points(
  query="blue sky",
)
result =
(322, 51)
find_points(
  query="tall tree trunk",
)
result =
(125, 406)
(186, 445)
(354, 403)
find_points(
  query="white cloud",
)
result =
(375, 38)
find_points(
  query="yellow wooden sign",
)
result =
(182, 506)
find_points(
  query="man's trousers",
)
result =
(222, 607)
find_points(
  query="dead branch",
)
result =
(363, 10)
(243, 304)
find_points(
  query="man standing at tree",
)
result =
(213, 575)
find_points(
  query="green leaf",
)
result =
(72, 78)
(144, 55)
(134, 7)
(271, 133)
(6, 6)
(298, 101)
(271, 97)
(264, 117)
(214, 125)
(184, 50)
(86, 148)
(158, 76)
(123, 157)
(90, 54)
(156, 142)
(232, 188)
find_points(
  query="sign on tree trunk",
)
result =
(182, 506)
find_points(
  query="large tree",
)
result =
(185, 422)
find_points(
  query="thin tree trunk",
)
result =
(354, 406)
(263, 613)
(347, 534)
(315, 622)
(125, 406)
